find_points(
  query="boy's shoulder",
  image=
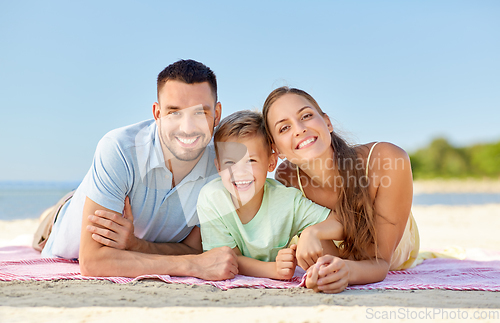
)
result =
(214, 187)
(274, 188)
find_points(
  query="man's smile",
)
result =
(187, 142)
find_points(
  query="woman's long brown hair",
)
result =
(354, 207)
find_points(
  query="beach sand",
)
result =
(456, 186)
(91, 301)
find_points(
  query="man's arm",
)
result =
(116, 231)
(97, 259)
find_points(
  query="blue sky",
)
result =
(398, 71)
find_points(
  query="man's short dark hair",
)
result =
(188, 71)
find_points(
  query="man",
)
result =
(158, 165)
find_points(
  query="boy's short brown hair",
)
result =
(241, 124)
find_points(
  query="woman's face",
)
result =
(300, 132)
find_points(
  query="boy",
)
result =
(255, 215)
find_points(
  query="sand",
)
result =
(91, 301)
(456, 186)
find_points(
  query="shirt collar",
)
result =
(202, 168)
(156, 157)
(148, 150)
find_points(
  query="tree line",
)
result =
(441, 159)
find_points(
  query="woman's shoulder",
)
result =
(384, 156)
(286, 174)
(381, 149)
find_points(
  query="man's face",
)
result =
(186, 115)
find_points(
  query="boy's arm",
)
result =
(99, 260)
(283, 268)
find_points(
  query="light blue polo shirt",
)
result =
(129, 162)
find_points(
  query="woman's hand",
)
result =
(312, 278)
(309, 248)
(286, 262)
(329, 275)
(113, 230)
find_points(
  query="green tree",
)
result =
(485, 159)
(441, 159)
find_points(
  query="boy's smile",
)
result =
(243, 185)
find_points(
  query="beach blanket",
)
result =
(479, 271)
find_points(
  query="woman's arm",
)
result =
(332, 274)
(310, 247)
(391, 189)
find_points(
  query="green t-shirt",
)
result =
(283, 214)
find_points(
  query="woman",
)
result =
(369, 187)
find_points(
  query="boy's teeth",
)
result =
(302, 144)
(186, 141)
(242, 182)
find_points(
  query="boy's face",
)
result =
(243, 165)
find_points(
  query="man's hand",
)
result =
(113, 230)
(286, 262)
(216, 264)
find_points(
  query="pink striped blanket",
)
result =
(480, 271)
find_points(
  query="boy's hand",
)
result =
(286, 262)
(309, 248)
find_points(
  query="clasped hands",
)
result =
(325, 273)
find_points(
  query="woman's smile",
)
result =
(307, 142)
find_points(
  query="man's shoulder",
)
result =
(134, 134)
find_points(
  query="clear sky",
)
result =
(397, 71)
